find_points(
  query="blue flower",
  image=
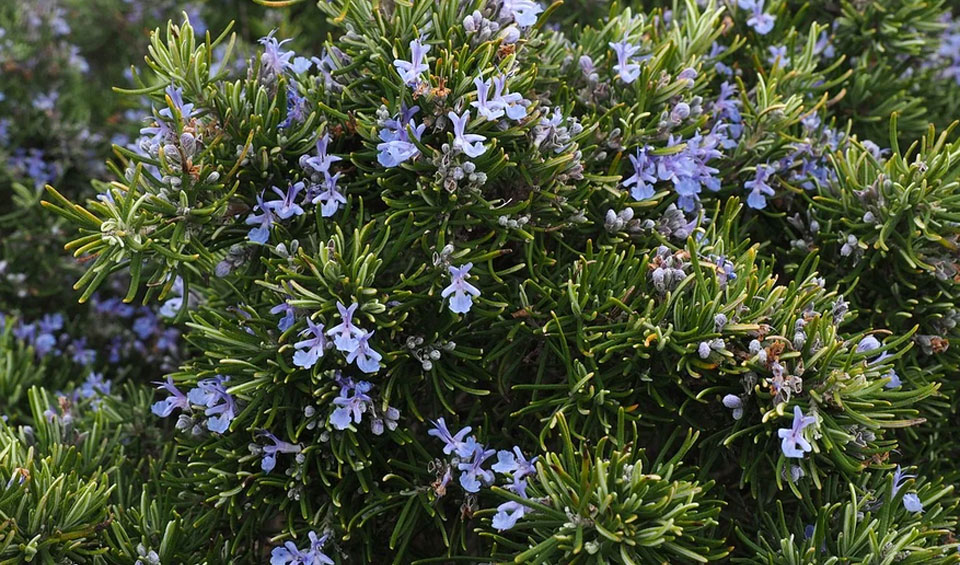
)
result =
(912, 502)
(452, 443)
(269, 460)
(274, 59)
(761, 22)
(220, 406)
(758, 187)
(345, 334)
(524, 12)
(411, 70)
(397, 146)
(263, 221)
(627, 71)
(644, 175)
(367, 359)
(331, 198)
(793, 436)
(351, 406)
(311, 349)
(472, 473)
(320, 163)
(461, 290)
(287, 206)
(469, 143)
(778, 56)
(296, 107)
(177, 399)
(301, 65)
(490, 109)
(290, 555)
(515, 463)
(288, 315)
(94, 387)
(175, 96)
(510, 512)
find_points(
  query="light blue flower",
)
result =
(644, 175)
(515, 463)
(177, 399)
(469, 143)
(220, 406)
(758, 187)
(761, 22)
(411, 70)
(310, 350)
(523, 12)
(263, 221)
(269, 460)
(288, 315)
(511, 511)
(368, 360)
(452, 443)
(462, 291)
(626, 70)
(345, 334)
(287, 206)
(351, 406)
(331, 198)
(472, 473)
(794, 444)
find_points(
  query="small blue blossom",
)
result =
(269, 460)
(778, 56)
(512, 102)
(288, 315)
(177, 399)
(263, 222)
(310, 350)
(345, 334)
(452, 443)
(627, 71)
(274, 59)
(462, 291)
(175, 98)
(469, 143)
(912, 502)
(330, 198)
(515, 463)
(761, 22)
(511, 511)
(94, 387)
(523, 12)
(288, 554)
(793, 436)
(352, 403)
(368, 360)
(397, 146)
(411, 70)
(485, 104)
(287, 206)
(321, 162)
(644, 175)
(472, 473)
(220, 406)
(758, 187)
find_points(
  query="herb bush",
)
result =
(491, 281)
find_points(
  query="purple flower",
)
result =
(263, 221)
(220, 406)
(290, 555)
(345, 334)
(311, 349)
(269, 460)
(760, 22)
(320, 163)
(778, 56)
(460, 289)
(627, 71)
(331, 198)
(296, 108)
(175, 96)
(910, 500)
(469, 143)
(177, 399)
(288, 315)
(351, 406)
(490, 109)
(452, 443)
(513, 103)
(510, 512)
(793, 436)
(515, 463)
(274, 59)
(411, 70)
(524, 12)
(644, 175)
(287, 206)
(367, 359)
(472, 473)
(758, 187)
(397, 146)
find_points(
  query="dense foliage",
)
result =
(488, 281)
